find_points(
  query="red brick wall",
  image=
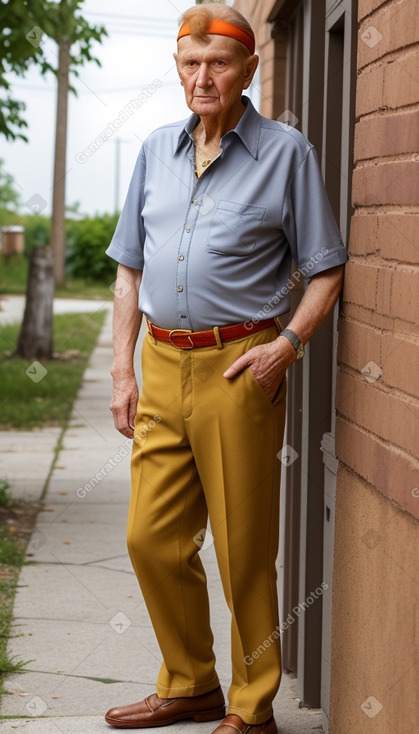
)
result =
(374, 640)
(272, 58)
(377, 391)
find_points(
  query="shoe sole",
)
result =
(200, 716)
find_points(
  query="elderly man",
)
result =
(217, 208)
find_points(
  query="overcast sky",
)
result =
(137, 64)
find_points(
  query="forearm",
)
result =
(318, 300)
(126, 320)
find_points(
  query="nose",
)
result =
(203, 79)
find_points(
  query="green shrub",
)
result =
(87, 240)
(37, 231)
(7, 217)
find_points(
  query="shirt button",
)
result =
(188, 229)
(181, 257)
(194, 201)
(180, 288)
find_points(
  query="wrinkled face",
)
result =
(213, 74)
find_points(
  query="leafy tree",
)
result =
(16, 55)
(9, 197)
(62, 22)
(25, 25)
(75, 37)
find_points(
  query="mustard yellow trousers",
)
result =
(207, 446)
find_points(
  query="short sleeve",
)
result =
(308, 221)
(127, 244)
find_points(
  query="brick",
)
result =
(378, 411)
(398, 236)
(391, 84)
(394, 26)
(401, 82)
(392, 182)
(400, 364)
(367, 317)
(378, 321)
(358, 344)
(365, 7)
(392, 134)
(393, 236)
(392, 472)
(369, 90)
(363, 238)
(360, 284)
(384, 289)
(405, 295)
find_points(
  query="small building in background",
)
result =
(12, 241)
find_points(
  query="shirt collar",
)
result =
(247, 129)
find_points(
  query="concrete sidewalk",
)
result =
(28, 478)
(79, 612)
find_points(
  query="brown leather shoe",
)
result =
(233, 724)
(156, 711)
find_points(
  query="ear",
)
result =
(177, 59)
(251, 65)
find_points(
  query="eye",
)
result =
(191, 64)
(220, 63)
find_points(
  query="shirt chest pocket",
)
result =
(235, 228)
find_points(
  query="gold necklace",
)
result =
(206, 162)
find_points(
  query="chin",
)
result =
(205, 108)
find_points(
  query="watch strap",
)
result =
(294, 340)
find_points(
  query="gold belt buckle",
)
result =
(181, 333)
(149, 327)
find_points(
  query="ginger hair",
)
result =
(200, 16)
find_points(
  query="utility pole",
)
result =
(58, 198)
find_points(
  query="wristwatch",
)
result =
(296, 343)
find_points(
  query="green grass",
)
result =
(7, 593)
(12, 553)
(77, 288)
(5, 499)
(13, 542)
(14, 274)
(25, 404)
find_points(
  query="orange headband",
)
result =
(223, 28)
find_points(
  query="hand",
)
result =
(124, 403)
(267, 363)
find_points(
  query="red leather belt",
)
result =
(186, 339)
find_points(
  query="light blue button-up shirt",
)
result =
(217, 250)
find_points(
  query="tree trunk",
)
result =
(58, 200)
(35, 338)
